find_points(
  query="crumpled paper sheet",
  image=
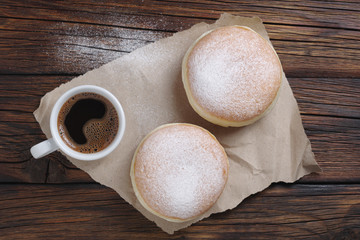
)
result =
(148, 84)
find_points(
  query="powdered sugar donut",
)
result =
(179, 171)
(231, 76)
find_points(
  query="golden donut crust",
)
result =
(231, 76)
(179, 171)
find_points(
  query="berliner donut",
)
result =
(179, 171)
(231, 76)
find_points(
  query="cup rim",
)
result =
(55, 113)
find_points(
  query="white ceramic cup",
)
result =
(56, 142)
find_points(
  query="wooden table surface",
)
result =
(46, 43)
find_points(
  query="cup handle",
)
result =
(44, 148)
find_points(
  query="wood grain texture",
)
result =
(46, 43)
(330, 116)
(90, 211)
(335, 14)
(335, 97)
(57, 37)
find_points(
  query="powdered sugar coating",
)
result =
(233, 73)
(180, 171)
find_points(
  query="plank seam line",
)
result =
(311, 26)
(329, 115)
(88, 23)
(93, 47)
(63, 34)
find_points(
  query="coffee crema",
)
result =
(88, 122)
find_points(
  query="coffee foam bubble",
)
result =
(99, 133)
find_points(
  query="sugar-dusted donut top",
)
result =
(180, 170)
(233, 73)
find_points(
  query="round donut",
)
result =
(179, 171)
(231, 76)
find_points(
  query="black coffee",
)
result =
(88, 122)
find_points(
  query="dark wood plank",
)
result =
(336, 148)
(90, 211)
(21, 94)
(327, 96)
(49, 38)
(163, 14)
(65, 47)
(329, 107)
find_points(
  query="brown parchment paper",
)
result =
(148, 84)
